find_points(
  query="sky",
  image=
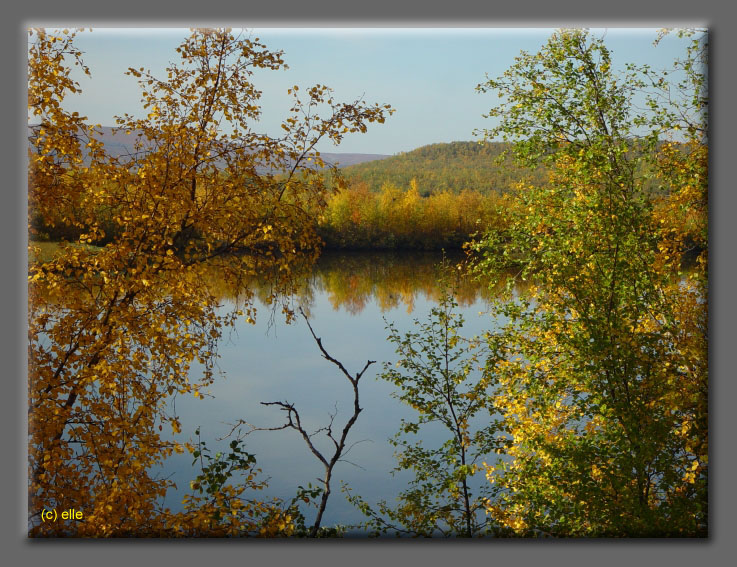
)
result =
(429, 76)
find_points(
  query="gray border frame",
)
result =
(716, 14)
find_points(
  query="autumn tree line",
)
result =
(400, 218)
(584, 407)
(356, 218)
(376, 210)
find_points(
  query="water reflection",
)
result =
(352, 280)
(350, 298)
(346, 296)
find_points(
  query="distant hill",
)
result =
(119, 143)
(453, 166)
(346, 160)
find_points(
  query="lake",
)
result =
(350, 298)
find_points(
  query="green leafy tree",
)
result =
(440, 376)
(602, 361)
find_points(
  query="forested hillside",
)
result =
(444, 167)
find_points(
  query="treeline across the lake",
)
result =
(400, 217)
(359, 216)
(354, 218)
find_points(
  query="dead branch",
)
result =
(293, 421)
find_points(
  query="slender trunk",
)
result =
(466, 499)
(323, 502)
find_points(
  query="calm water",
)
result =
(350, 299)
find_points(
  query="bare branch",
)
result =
(293, 422)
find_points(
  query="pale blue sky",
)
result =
(428, 75)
